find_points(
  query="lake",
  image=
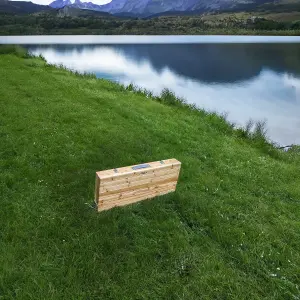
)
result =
(245, 77)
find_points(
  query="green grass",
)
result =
(231, 230)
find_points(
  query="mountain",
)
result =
(114, 6)
(70, 11)
(78, 4)
(226, 4)
(152, 7)
(21, 7)
(60, 3)
(149, 7)
(85, 5)
(138, 7)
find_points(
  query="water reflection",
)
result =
(246, 81)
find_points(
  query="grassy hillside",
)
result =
(231, 231)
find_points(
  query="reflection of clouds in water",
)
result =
(291, 81)
(271, 96)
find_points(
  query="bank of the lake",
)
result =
(263, 83)
(230, 231)
(66, 23)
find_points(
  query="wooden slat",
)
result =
(147, 173)
(130, 193)
(97, 186)
(128, 170)
(132, 184)
(103, 174)
(151, 189)
(132, 200)
(146, 185)
(144, 195)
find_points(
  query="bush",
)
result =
(169, 97)
(16, 50)
(260, 130)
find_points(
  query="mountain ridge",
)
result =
(22, 7)
(152, 7)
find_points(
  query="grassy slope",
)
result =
(231, 231)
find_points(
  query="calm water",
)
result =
(248, 77)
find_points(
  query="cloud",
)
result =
(47, 2)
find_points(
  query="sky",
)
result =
(47, 2)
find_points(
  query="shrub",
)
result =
(16, 50)
(169, 97)
(260, 130)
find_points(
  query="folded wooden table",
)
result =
(122, 186)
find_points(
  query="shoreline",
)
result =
(253, 130)
(145, 39)
(277, 139)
